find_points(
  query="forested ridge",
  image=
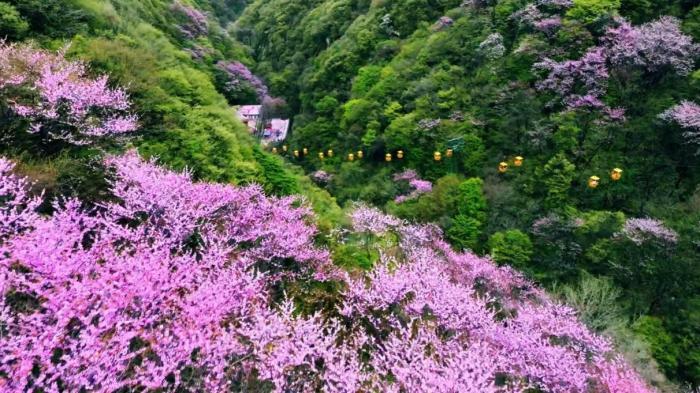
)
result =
(475, 196)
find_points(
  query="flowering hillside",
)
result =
(171, 285)
(473, 196)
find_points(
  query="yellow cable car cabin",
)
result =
(437, 156)
(593, 181)
(518, 161)
(616, 174)
(503, 167)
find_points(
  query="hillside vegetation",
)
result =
(498, 196)
(578, 88)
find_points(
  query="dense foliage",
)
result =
(576, 87)
(556, 137)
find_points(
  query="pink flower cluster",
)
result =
(687, 115)
(321, 177)
(548, 25)
(59, 99)
(170, 286)
(238, 75)
(444, 22)
(652, 46)
(544, 21)
(578, 82)
(174, 275)
(641, 230)
(418, 186)
(450, 322)
(197, 24)
(16, 205)
(555, 3)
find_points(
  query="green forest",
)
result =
(560, 138)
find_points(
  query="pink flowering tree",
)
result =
(416, 185)
(195, 22)
(639, 258)
(59, 99)
(653, 46)
(577, 83)
(172, 286)
(687, 115)
(582, 83)
(641, 230)
(237, 78)
(321, 177)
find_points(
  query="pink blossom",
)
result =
(574, 79)
(687, 115)
(196, 24)
(63, 102)
(640, 230)
(17, 207)
(548, 25)
(653, 45)
(238, 74)
(321, 177)
(173, 276)
(418, 186)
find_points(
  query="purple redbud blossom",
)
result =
(238, 74)
(652, 46)
(321, 177)
(196, 25)
(59, 99)
(173, 276)
(418, 186)
(640, 230)
(687, 115)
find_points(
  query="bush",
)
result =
(464, 232)
(597, 302)
(12, 25)
(511, 247)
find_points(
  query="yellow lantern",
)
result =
(274, 150)
(296, 153)
(448, 153)
(503, 167)
(321, 156)
(351, 157)
(360, 154)
(330, 152)
(616, 174)
(306, 151)
(387, 157)
(284, 148)
(518, 161)
(437, 156)
(399, 154)
(593, 181)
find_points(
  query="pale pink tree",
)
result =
(176, 285)
(59, 98)
(652, 46)
(687, 115)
